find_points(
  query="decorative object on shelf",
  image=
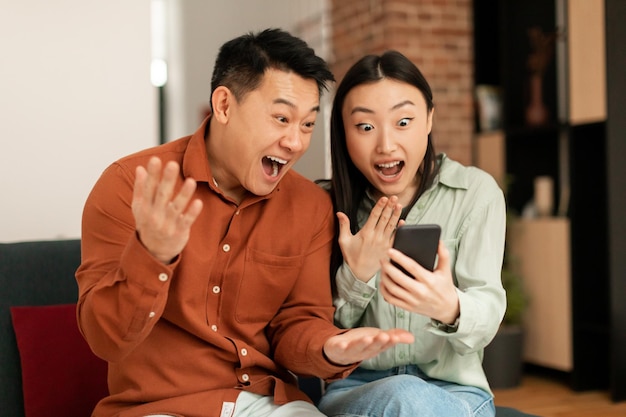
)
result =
(489, 106)
(543, 195)
(542, 50)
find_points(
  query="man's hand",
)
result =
(363, 343)
(163, 220)
(364, 250)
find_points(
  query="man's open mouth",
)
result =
(272, 165)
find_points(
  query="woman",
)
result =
(385, 173)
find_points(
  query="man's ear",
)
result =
(221, 101)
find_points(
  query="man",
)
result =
(205, 273)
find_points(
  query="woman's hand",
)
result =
(364, 251)
(432, 294)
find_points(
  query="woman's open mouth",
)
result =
(390, 169)
(273, 165)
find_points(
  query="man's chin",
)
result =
(263, 190)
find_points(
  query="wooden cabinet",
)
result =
(540, 250)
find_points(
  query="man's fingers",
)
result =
(138, 190)
(165, 189)
(383, 340)
(401, 336)
(192, 213)
(153, 177)
(363, 343)
(178, 205)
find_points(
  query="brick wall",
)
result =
(436, 35)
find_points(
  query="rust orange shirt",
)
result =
(247, 299)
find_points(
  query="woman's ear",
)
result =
(429, 120)
(221, 101)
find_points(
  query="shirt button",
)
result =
(214, 328)
(152, 314)
(216, 290)
(244, 352)
(226, 247)
(245, 377)
(237, 213)
(163, 277)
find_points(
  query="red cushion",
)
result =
(60, 374)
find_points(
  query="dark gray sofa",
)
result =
(31, 274)
(41, 273)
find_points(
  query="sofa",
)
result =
(46, 367)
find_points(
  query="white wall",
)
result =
(75, 94)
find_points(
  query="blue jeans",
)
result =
(404, 391)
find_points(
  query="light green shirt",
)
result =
(469, 206)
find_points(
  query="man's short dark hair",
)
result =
(242, 62)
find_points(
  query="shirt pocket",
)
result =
(267, 281)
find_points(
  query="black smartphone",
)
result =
(419, 241)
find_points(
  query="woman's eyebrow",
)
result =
(360, 109)
(403, 103)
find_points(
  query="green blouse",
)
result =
(470, 208)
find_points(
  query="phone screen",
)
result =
(420, 242)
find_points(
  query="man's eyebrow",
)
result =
(292, 105)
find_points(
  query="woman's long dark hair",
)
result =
(348, 184)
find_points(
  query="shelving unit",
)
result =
(564, 258)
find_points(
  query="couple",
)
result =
(205, 281)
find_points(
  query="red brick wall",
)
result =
(436, 35)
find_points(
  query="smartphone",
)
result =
(420, 242)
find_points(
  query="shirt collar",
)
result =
(451, 173)
(195, 160)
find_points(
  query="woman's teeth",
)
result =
(390, 169)
(388, 165)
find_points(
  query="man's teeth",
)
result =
(275, 161)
